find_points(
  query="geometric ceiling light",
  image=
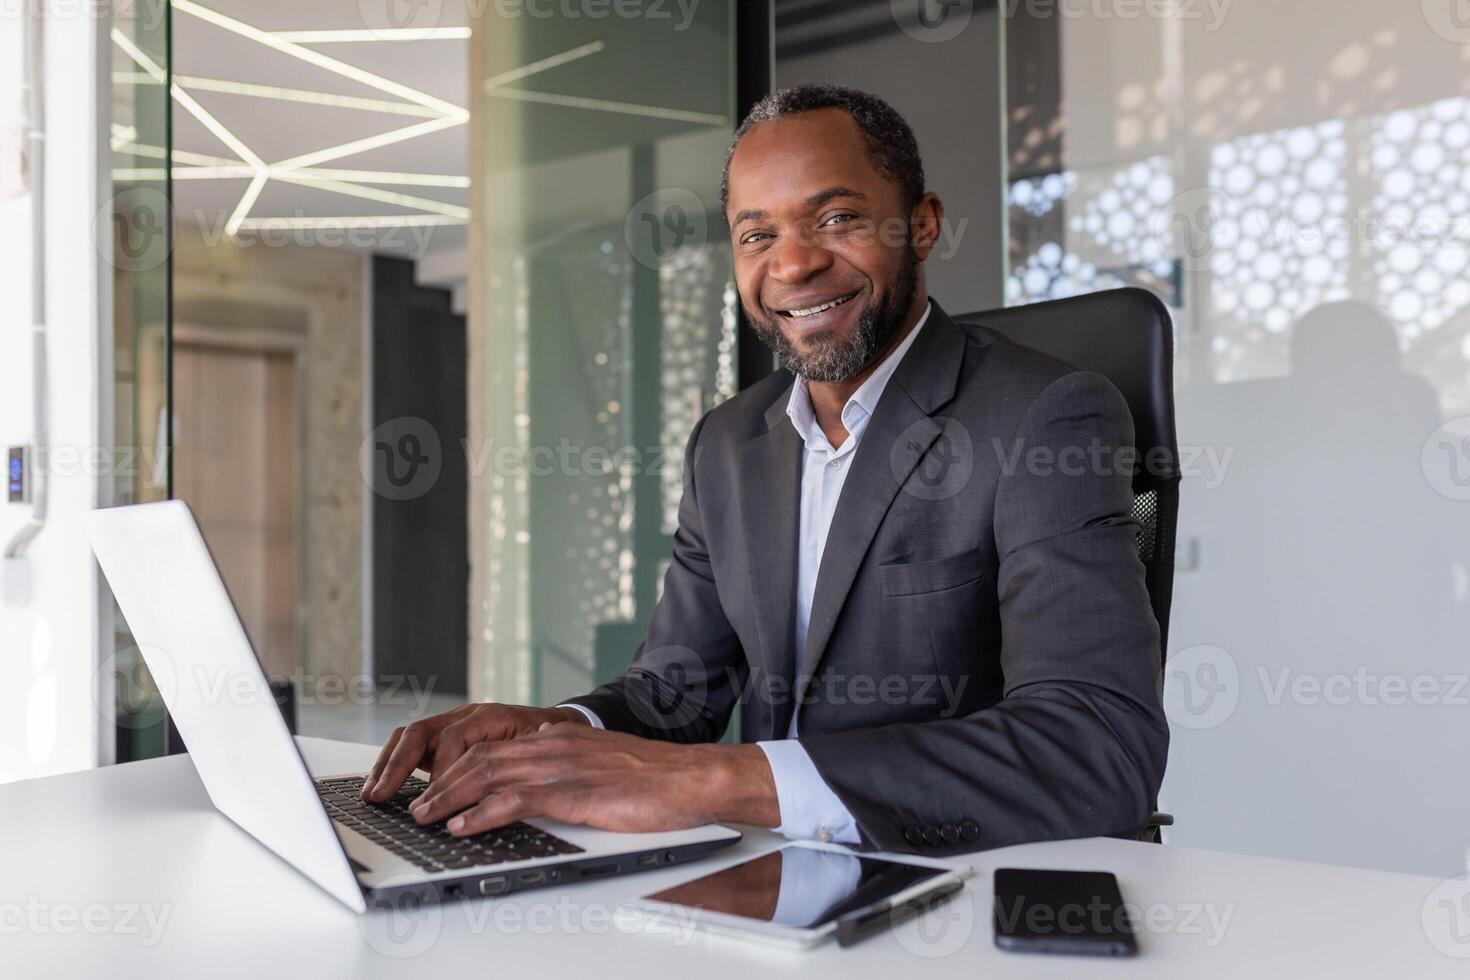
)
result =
(608, 105)
(326, 62)
(494, 86)
(375, 35)
(305, 169)
(247, 156)
(441, 114)
(535, 67)
(195, 83)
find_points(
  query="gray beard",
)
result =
(830, 362)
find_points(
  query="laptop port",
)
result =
(494, 885)
(598, 870)
(532, 877)
(647, 860)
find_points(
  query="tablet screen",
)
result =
(799, 887)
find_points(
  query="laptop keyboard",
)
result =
(432, 847)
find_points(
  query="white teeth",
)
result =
(813, 310)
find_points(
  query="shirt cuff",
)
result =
(809, 808)
(592, 719)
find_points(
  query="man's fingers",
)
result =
(402, 761)
(502, 808)
(452, 793)
(476, 768)
(484, 768)
(381, 763)
(485, 724)
(474, 759)
(453, 741)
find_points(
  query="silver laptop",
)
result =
(191, 637)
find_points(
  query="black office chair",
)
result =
(1125, 335)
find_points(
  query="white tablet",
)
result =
(797, 895)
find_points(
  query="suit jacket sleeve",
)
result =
(1077, 745)
(686, 677)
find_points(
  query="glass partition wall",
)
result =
(1291, 179)
(603, 324)
(602, 317)
(135, 234)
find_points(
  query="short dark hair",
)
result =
(890, 141)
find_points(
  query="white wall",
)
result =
(48, 611)
(1318, 658)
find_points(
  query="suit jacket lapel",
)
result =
(896, 438)
(768, 498)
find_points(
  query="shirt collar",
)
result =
(860, 405)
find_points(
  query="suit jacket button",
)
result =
(912, 835)
(950, 833)
(969, 830)
(931, 836)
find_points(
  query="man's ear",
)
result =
(925, 222)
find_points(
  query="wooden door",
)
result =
(236, 464)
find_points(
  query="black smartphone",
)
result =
(1079, 912)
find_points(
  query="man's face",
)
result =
(824, 261)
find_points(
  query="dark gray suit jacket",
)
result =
(982, 663)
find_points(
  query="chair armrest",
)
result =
(1151, 830)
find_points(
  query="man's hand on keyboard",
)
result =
(436, 743)
(575, 773)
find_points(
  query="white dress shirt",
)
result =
(809, 808)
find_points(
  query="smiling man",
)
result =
(930, 649)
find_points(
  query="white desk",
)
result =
(86, 856)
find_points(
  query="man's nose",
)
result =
(797, 260)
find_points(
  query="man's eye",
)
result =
(754, 237)
(839, 219)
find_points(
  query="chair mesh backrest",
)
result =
(1156, 510)
(1146, 512)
